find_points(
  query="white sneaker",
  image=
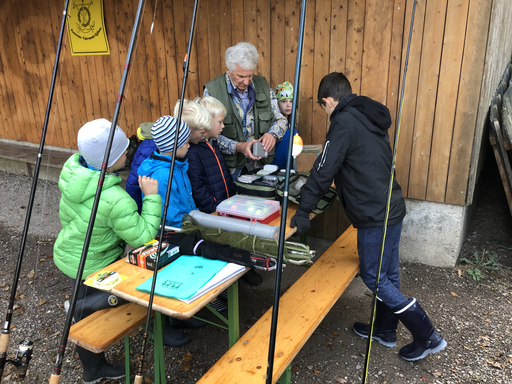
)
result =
(67, 304)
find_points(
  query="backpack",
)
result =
(295, 184)
(264, 186)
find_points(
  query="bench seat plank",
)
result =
(103, 328)
(301, 309)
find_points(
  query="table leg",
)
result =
(286, 377)
(233, 314)
(127, 358)
(158, 345)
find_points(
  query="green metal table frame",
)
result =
(232, 326)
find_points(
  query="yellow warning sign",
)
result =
(86, 28)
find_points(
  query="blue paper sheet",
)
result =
(184, 277)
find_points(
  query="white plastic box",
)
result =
(249, 208)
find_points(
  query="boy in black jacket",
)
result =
(358, 156)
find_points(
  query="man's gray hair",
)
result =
(244, 55)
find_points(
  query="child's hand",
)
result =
(148, 186)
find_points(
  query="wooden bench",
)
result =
(301, 310)
(103, 328)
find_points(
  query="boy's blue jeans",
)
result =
(369, 243)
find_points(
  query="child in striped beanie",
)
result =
(159, 164)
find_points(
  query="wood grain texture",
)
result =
(395, 58)
(301, 309)
(467, 103)
(403, 151)
(453, 46)
(166, 305)
(498, 41)
(338, 48)
(365, 39)
(103, 328)
(277, 43)
(435, 18)
(376, 45)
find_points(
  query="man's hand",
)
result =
(148, 186)
(269, 141)
(246, 149)
(301, 221)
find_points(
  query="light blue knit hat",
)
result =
(164, 130)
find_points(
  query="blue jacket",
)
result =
(282, 151)
(157, 166)
(209, 176)
(144, 150)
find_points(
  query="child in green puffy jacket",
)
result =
(117, 223)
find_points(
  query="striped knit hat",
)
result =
(164, 130)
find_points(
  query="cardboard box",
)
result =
(145, 256)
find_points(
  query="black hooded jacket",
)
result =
(358, 156)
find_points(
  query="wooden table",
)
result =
(176, 308)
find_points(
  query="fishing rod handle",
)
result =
(54, 379)
(136, 380)
(4, 344)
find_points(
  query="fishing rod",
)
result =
(284, 208)
(388, 204)
(55, 377)
(24, 354)
(138, 377)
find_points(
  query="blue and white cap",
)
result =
(164, 130)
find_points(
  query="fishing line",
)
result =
(388, 204)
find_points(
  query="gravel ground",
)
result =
(475, 316)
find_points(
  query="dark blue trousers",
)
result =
(369, 244)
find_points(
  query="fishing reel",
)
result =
(22, 359)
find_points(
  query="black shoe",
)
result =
(388, 339)
(384, 326)
(223, 295)
(175, 338)
(219, 305)
(96, 367)
(426, 339)
(189, 323)
(172, 337)
(252, 278)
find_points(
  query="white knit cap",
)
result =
(92, 141)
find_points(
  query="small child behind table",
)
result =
(146, 147)
(117, 223)
(181, 202)
(158, 166)
(208, 171)
(284, 95)
(197, 118)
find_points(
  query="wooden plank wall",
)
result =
(499, 47)
(365, 39)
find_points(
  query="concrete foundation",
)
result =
(433, 233)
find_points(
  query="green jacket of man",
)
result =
(263, 116)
